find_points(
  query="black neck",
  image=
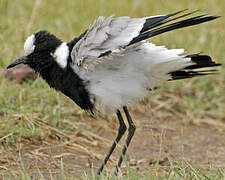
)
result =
(69, 83)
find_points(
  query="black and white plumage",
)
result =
(111, 65)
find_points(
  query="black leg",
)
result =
(120, 133)
(131, 131)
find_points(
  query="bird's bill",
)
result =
(20, 60)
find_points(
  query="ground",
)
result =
(164, 139)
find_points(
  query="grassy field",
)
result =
(31, 111)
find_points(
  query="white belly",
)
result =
(127, 78)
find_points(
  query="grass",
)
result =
(33, 111)
(189, 172)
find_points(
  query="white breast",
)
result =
(61, 55)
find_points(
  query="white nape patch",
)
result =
(61, 55)
(29, 45)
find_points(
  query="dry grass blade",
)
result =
(4, 137)
(100, 138)
(217, 124)
(46, 126)
(3, 167)
(62, 155)
(33, 15)
(82, 149)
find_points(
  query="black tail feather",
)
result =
(152, 27)
(201, 61)
(189, 74)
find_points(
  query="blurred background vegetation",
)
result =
(194, 101)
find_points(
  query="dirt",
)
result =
(164, 139)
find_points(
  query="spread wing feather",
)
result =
(108, 36)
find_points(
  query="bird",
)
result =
(113, 64)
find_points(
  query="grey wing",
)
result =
(111, 36)
(108, 36)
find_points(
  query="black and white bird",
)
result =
(112, 65)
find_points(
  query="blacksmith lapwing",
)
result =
(112, 65)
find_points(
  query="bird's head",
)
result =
(41, 50)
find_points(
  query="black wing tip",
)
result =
(212, 17)
(190, 13)
(155, 27)
(185, 10)
(178, 12)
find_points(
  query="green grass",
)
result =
(21, 105)
(189, 172)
